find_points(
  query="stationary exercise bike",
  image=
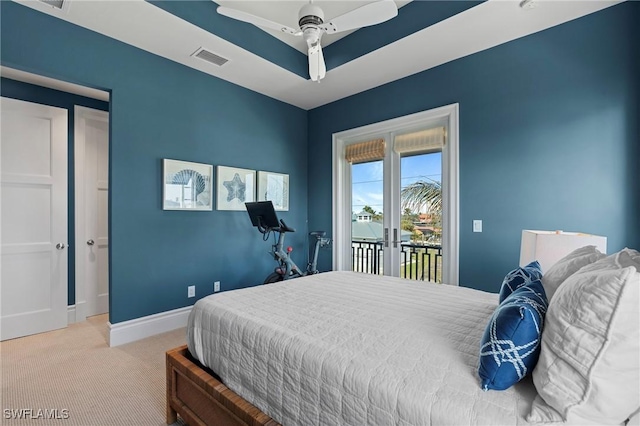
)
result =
(263, 216)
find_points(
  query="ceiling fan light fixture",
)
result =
(310, 14)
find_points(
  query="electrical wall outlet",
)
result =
(216, 286)
(191, 291)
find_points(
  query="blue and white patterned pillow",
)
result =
(519, 277)
(510, 345)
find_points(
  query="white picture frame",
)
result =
(274, 187)
(187, 185)
(235, 187)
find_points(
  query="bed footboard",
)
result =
(201, 399)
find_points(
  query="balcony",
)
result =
(422, 262)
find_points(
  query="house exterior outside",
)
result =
(364, 228)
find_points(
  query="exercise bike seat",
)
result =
(285, 228)
(318, 233)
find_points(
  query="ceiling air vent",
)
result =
(210, 57)
(56, 4)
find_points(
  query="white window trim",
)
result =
(341, 208)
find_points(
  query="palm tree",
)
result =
(423, 196)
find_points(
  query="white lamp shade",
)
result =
(547, 247)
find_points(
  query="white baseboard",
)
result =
(71, 314)
(139, 328)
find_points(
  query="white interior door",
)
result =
(33, 181)
(92, 189)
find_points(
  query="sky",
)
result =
(367, 178)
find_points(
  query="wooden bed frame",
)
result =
(200, 398)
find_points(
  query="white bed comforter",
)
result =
(343, 348)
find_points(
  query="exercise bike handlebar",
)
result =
(282, 228)
(285, 228)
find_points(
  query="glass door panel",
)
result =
(420, 213)
(408, 243)
(367, 222)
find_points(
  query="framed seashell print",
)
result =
(186, 185)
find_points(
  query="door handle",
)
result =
(395, 237)
(90, 242)
(60, 246)
(386, 237)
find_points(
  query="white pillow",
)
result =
(635, 255)
(567, 266)
(589, 365)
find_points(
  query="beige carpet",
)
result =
(73, 369)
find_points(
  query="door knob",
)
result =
(60, 246)
(90, 242)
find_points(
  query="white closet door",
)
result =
(33, 217)
(92, 191)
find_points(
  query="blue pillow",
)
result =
(511, 342)
(519, 277)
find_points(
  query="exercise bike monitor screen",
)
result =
(262, 214)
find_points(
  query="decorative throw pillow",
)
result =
(589, 370)
(511, 342)
(519, 277)
(568, 266)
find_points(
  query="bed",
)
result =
(339, 348)
(343, 348)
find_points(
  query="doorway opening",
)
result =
(62, 232)
(395, 189)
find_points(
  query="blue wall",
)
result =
(31, 93)
(160, 109)
(549, 137)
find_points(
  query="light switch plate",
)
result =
(477, 225)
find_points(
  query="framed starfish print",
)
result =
(235, 187)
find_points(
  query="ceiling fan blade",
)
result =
(256, 20)
(370, 14)
(317, 68)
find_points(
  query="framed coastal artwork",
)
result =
(274, 187)
(235, 187)
(186, 185)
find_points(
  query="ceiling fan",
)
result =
(312, 26)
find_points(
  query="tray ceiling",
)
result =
(425, 34)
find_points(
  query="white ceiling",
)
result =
(143, 25)
(286, 13)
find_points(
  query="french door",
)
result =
(395, 197)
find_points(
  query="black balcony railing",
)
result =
(417, 261)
